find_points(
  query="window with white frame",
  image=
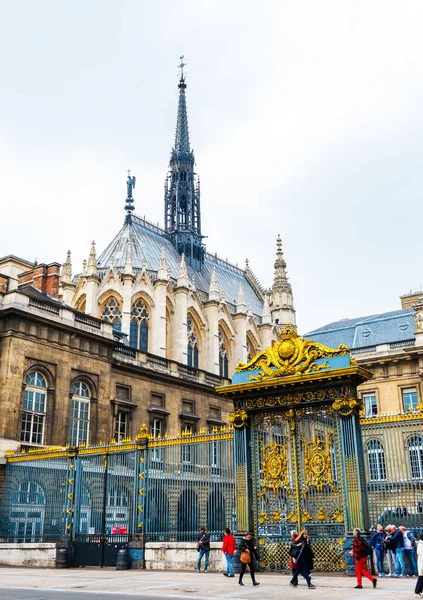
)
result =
(121, 425)
(34, 410)
(376, 460)
(80, 414)
(415, 455)
(370, 404)
(409, 399)
(186, 454)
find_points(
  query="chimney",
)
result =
(45, 278)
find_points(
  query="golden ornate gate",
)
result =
(297, 432)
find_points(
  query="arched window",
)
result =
(138, 336)
(415, 455)
(183, 176)
(376, 459)
(192, 350)
(80, 414)
(27, 514)
(112, 313)
(34, 411)
(223, 357)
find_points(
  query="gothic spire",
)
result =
(183, 279)
(214, 286)
(182, 191)
(92, 261)
(182, 146)
(162, 272)
(241, 303)
(67, 269)
(280, 280)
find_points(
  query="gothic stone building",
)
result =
(142, 335)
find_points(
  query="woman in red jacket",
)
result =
(228, 549)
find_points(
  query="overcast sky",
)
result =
(305, 119)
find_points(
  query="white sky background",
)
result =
(305, 119)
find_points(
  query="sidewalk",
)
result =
(197, 586)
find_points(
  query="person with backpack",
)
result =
(361, 551)
(410, 546)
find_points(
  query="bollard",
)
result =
(136, 552)
(122, 559)
(62, 555)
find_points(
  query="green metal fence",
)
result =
(393, 446)
(168, 488)
(165, 488)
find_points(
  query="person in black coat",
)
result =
(247, 545)
(302, 555)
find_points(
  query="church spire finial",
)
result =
(129, 206)
(182, 146)
(280, 281)
(181, 67)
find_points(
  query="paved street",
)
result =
(107, 584)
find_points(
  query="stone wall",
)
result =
(28, 555)
(181, 556)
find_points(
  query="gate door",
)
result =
(296, 462)
(89, 511)
(105, 507)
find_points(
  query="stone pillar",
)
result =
(126, 307)
(158, 319)
(180, 325)
(240, 321)
(211, 308)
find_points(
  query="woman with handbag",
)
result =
(248, 554)
(302, 556)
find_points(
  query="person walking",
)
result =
(419, 585)
(302, 556)
(228, 549)
(203, 547)
(397, 537)
(247, 545)
(292, 565)
(410, 549)
(361, 551)
(390, 550)
(376, 542)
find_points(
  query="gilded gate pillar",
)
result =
(299, 459)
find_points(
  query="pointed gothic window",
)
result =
(192, 345)
(138, 335)
(112, 313)
(34, 412)
(223, 357)
(183, 176)
(251, 352)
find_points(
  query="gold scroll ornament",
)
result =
(290, 355)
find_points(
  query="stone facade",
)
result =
(39, 334)
(390, 345)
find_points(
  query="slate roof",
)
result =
(362, 332)
(146, 243)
